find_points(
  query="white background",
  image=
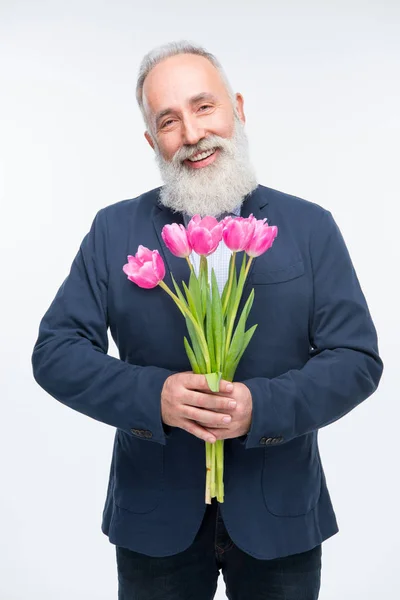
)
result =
(321, 89)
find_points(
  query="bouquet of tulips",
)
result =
(215, 347)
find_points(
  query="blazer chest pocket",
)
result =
(264, 275)
(139, 473)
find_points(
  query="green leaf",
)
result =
(204, 267)
(231, 314)
(194, 289)
(216, 320)
(246, 340)
(232, 296)
(191, 356)
(241, 277)
(203, 283)
(203, 292)
(213, 380)
(192, 304)
(223, 357)
(238, 337)
(226, 286)
(179, 293)
(249, 303)
(209, 331)
(196, 345)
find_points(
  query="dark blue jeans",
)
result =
(193, 573)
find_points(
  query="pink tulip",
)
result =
(226, 220)
(263, 238)
(176, 239)
(146, 268)
(204, 234)
(238, 232)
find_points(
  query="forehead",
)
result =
(177, 78)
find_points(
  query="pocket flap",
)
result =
(277, 275)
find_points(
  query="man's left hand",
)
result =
(241, 414)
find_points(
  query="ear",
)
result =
(149, 139)
(239, 107)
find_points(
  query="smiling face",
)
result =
(197, 132)
(186, 100)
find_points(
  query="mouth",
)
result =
(202, 159)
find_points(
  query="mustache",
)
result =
(209, 143)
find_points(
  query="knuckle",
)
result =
(200, 400)
(197, 380)
(190, 412)
(222, 403)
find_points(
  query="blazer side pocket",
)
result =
(139, 474)
(291, 477)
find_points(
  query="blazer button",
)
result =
(263, 441)
(147, 434)
(141, 432)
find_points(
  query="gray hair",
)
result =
(155, 56)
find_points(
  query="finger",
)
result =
(222, 434)
(217, 402)
(210, 418)
(214, 428)
(198, 431)
(195, 381)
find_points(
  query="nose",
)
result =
(192, 133)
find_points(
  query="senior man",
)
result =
(313, 358)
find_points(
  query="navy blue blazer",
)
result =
(312, 359)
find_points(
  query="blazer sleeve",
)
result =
(344, 367)
(70, 359)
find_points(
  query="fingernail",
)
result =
(229, 387)
(232, 404)
(226, 419)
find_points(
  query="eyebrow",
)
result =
(203, 96)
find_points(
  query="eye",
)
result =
(205, 106)
(166, 123)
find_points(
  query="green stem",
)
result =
(203, 265)
(208, 473)
(190, 264)
(213, 462)
(231, 272)
(248, 267)
(196, 325)
(219, 451)
(235, 307)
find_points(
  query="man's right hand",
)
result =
(186, 398)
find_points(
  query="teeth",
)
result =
(202, 156)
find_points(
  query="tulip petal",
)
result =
(146, 277)
(216, 234)
(194, 221)
(158, 266)
(132, 267)
(262, 239)
(208, 222)
(238, 232)
(201, 241)
(176, 239)
(143, 254)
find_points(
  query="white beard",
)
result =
(212, 190)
